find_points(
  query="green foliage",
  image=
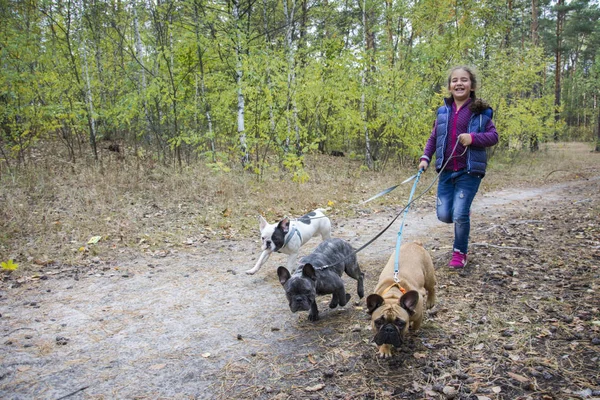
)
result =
(218, 166)
(173, 89)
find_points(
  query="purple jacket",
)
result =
(474, 117)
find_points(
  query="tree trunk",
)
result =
(203, 99)
(268, 69)
(368, 157)
(558, 55)
(90, 103)
(535, 36)
(238, 79)
(291, 83)
(142, 72)
(598, 131)
(88, 88)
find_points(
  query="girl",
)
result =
(463, 129)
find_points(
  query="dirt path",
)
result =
(193, 325)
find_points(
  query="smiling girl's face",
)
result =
(460, 86)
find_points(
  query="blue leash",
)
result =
(399, 238)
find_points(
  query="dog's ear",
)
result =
(409, 301)
(283, 275)
(284, 225)
(309, 271)
(374, 301)
(262, 222)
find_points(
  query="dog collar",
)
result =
(290, 236)
(395, 284)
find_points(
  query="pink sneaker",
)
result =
(459, 260)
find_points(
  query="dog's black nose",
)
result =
(268, 243)
(389, 329)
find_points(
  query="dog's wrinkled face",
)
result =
(272, 236)
(390, 320)
(300, 288)
(391, 325)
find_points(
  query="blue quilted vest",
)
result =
(476, 156)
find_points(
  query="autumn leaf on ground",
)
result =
(94, 239)
(10, 265)
(314, 388)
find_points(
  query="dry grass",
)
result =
(50, 211)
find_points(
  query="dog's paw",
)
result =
(313, 317)
(250, 272)
(385, 351)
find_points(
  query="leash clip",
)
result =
(396, 280)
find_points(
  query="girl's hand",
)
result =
(465, 139)
(423, 165)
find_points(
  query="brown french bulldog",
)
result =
(395, 306)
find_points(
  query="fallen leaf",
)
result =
(517, 377)
(315, 388)
(419, 355)
(24, 368)
(156, 367)
(43, 262)
(311, 359)
(94, 239)
(9, 265)
(205, 355)
(496, 389)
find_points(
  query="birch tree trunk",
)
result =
(88, 86)
(203, 99)
(238, 78)
(268, 70)
(89, 101)
(142, 72)
(291, 100)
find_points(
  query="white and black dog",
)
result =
(287, 236)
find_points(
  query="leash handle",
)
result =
(399, 238)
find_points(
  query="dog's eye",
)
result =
(379, 322)
(400, 323)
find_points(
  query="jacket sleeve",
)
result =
(487, 138)
(430, 145)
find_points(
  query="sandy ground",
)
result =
(173, 325)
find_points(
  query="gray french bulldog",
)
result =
(321, 273)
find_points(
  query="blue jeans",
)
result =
(456, 191)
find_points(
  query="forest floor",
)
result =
(521, 321)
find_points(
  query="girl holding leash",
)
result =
(462, 131)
